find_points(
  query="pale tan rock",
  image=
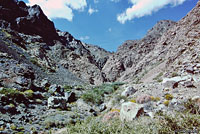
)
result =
(129, 111)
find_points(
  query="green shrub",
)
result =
(34, 60)
(155, 98)
(166, 103)
(67, 88)
(95, 97)
(97, 94)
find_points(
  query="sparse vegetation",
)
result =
(179, 123)
(158, 77)
(161, 124)
(155, 98)
(169, 97)
(96, 126)
(97, 94)
(133, 100)
(67, 88)
(166, 103)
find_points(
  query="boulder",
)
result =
(102, 107)
(130, 111)
(128, 91)
(70, 96)
(53, 89)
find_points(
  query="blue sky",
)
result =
(108, 23)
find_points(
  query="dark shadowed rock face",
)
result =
(28, 20)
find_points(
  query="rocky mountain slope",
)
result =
(120, 65)
(47, 76)
(165, 46)
(57, 53)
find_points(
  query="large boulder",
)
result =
(130, 111)
(57, 102)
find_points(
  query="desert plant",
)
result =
(169, 97)
(155, 98)
(67, 88)
(133, 100)
(166, 103)
(115, 110)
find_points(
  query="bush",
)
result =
(67, 88)
(115, 110)
(168, 97)
(166, 103)
(155, 98)
(158, 77)
(134, 101)
(97, 94)
(174, 74)
(34, 60)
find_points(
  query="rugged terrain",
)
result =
(49, 79)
